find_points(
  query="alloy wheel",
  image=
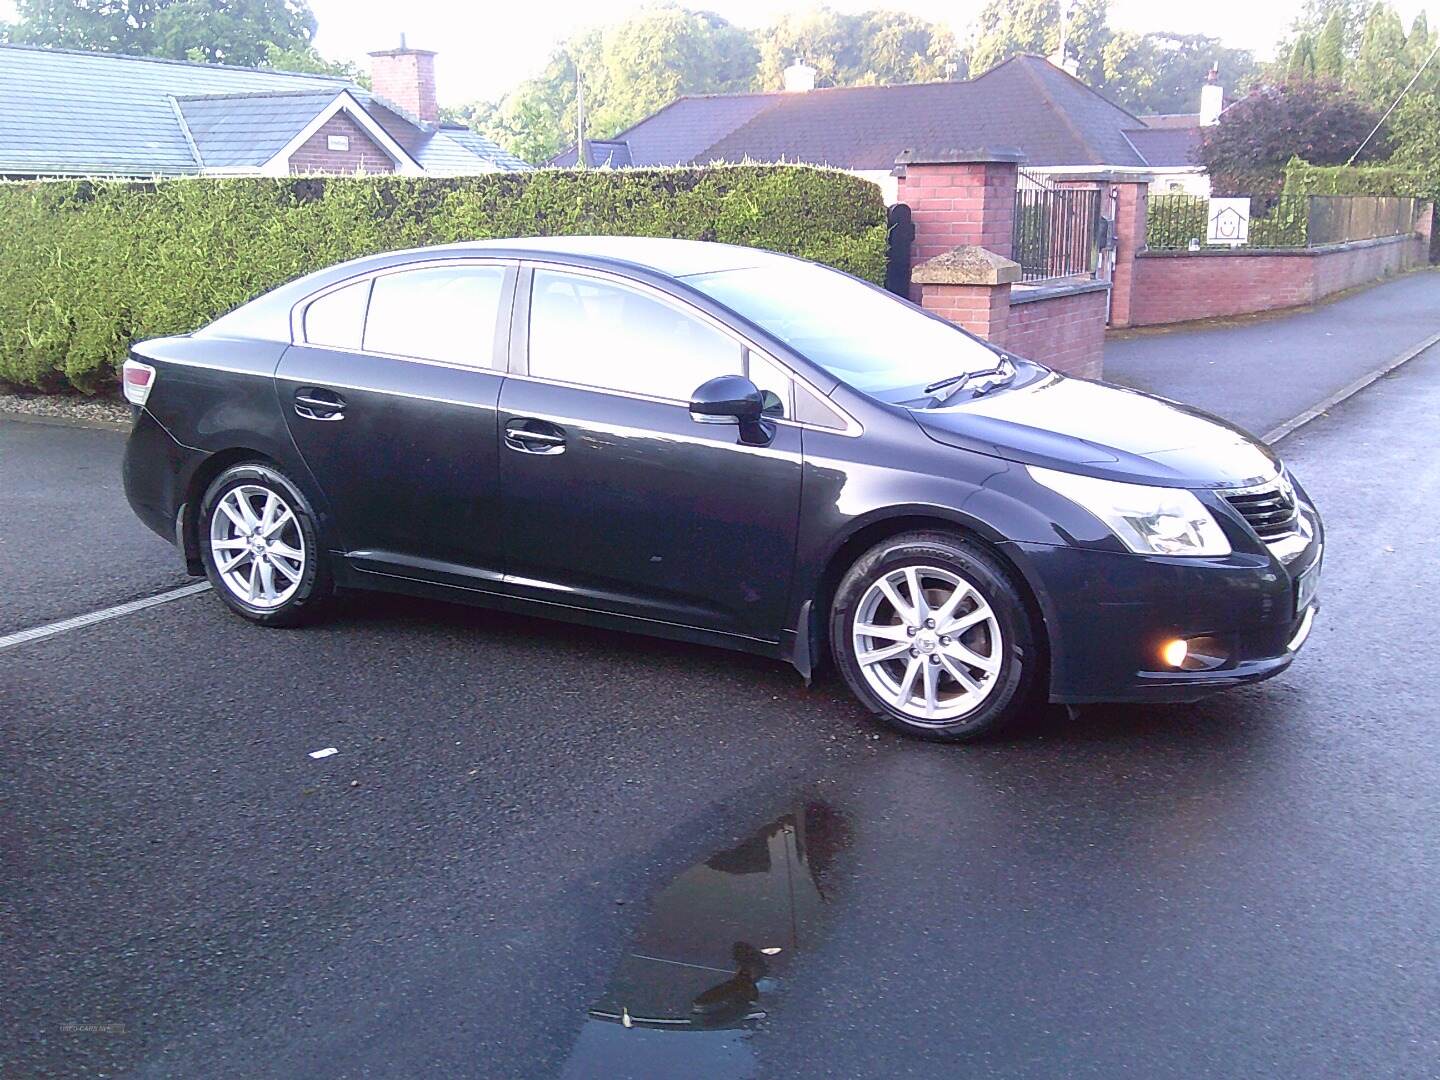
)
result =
(927, 643)
(257, 546)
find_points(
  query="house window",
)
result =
(339, 143)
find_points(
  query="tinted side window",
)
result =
(599, 334)
(445, 313)
(338, 318)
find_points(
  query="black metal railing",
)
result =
(1178, 222)
(1056, 232)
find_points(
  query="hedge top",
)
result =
(89, 266)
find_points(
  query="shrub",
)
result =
(88, 267)
(1246, 151)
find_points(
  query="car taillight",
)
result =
(136, 379)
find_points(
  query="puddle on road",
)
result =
(713, 956)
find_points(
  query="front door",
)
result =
(392, 403)
(615, 498)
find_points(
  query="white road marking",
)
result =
(329, 751)
(64, 626)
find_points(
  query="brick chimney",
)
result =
(406, 76)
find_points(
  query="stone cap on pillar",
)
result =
(1006, 155)
(968, 265)
(1104, 176)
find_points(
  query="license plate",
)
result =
(1306, 588)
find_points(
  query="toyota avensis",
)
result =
(726, 446)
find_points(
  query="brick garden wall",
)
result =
(1062, 329)
(315, 156)
(1180, 286)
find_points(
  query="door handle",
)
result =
(313, 403)
(534, 437)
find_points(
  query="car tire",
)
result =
(972, 632)
(260, 542)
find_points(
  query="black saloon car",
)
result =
(727, 446)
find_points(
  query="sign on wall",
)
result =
(1229, 222)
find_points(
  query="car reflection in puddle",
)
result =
(713, 955)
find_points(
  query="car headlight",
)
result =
(1148, 520)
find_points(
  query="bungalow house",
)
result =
(71, 113)
(1057, 122)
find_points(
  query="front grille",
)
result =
(1269, 509)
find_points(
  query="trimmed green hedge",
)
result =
(87, 267)
(1302, 178)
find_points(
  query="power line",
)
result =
(1413, 78)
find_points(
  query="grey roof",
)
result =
(604, 154)
(1167, 147)
(1026, 102)
(249, 129)
(69, 113)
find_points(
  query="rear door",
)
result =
(391, 397)
(615, 498)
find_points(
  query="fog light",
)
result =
(1174, 652)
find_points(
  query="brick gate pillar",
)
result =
(959, 198)
(1131, 205)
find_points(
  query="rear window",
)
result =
(337, 319)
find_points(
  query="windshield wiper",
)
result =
(999, 375)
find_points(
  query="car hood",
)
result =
(1101, 430)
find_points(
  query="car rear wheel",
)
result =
(261, 547)
(931, 634)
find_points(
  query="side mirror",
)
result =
(728, 399)
(733, 399)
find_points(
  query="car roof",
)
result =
(676, 258)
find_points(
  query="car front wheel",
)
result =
(261, 547)
(932, 635)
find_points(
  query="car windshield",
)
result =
(861, 335)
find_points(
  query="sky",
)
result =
(486, 48)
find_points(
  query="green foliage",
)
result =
(1301, 65)
(1006, 28)
(871, 48)
(87, 267)
(636, 66)
(1246, 152)
(630, 68)
(1330, 50)
(1382, 66)
(218, 31)
(1302, 178)
(1163, 73)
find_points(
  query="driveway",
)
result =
(520, 814)
(1261, 371)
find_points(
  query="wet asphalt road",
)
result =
(1245, 887)
(1260, 371)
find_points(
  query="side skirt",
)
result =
(348, 576)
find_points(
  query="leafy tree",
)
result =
(1330, 50)
(868, 49)
(229, 31)
(1163, 73)
(308, 61)
(1382, 67)
(1319, 122)
(630, 69)
(1301, 65)
(1006, 28)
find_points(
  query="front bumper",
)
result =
(1108, 616)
